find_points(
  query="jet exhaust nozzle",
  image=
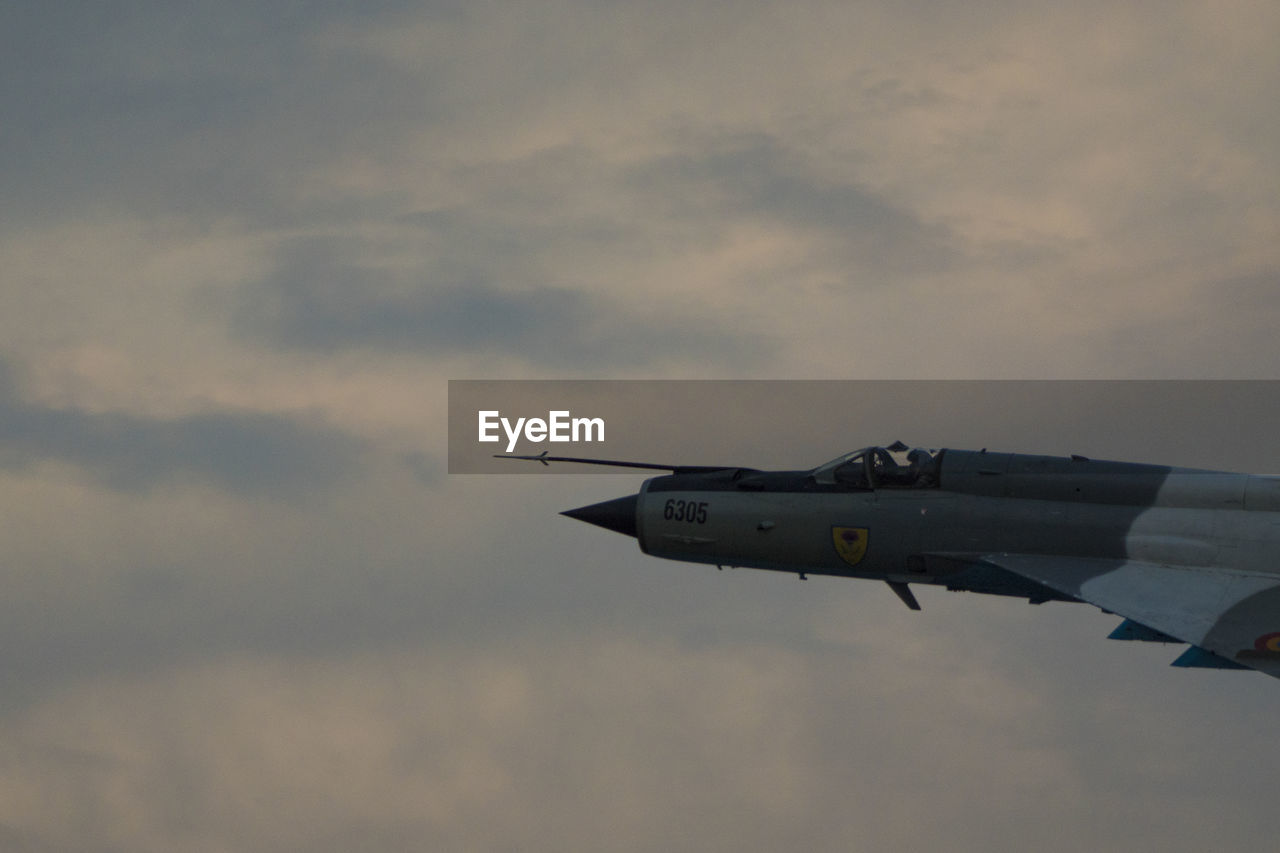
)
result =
(618, 515)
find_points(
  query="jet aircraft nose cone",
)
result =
(618, 514)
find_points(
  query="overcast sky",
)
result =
(244, 246)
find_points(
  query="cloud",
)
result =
(757, 177)
(221, 218)
(245, 452)
(650, 743)
(210, 111)
(324, 295)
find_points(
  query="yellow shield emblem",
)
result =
(850, 542)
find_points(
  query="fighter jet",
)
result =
(1183, 555)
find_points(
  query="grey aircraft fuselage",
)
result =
(1185, 555)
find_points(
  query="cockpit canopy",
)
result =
(892, 467)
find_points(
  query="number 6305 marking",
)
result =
(694, 512)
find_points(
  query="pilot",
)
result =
(888, 472)
(923, 467)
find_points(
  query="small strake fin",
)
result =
(904, 592)
(1130, 630)
(1204, 659)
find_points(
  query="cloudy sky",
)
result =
(245, 246)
